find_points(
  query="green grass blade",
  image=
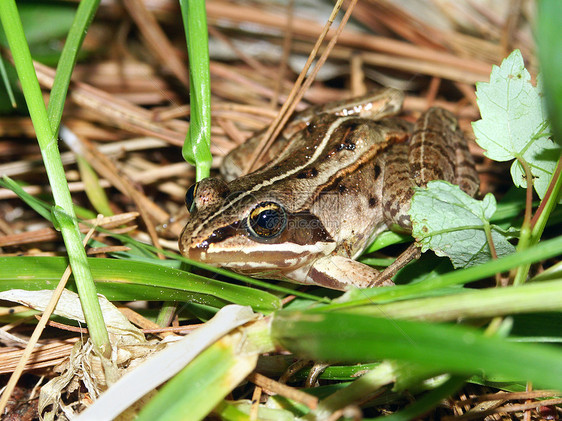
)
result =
(37, 205)
(22, 58)
(84, 16)
(491, 302)
(444, 348)
(132, 280)
(94, 191)
(240, 411)
(196, 149)
(51, 157)
(199, 387)
(7, 83)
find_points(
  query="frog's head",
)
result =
(251, 230)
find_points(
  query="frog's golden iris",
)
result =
(267, 220)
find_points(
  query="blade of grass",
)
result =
(443, 348)
(84, 16)
(240, 411)
(7, 84)
(51, 156)
(197, 147)
(490, 302)
(37, 205)
(129, 280)
(94, 191)
(216, 372)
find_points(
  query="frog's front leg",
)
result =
(342, 273)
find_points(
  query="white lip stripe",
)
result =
(269, 182)
(250, 265)
(320, 246)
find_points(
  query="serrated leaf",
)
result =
(514, 123)
(451, 223)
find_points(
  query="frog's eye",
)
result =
(267, 220)
(190, 197)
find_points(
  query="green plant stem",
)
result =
(549, 202)
(529, 190)
(49, 150)
(520, 274)
(491, 245)
(489, 238)
(166, 313)
(532, 229)
(197, 147)
(84, 15)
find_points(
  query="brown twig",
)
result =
(272, 387)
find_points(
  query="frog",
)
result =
(336, 177)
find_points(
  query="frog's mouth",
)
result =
(247, 256)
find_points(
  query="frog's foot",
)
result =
(311, 380)
(342, 273)
(315, 372)
(411, 253)
(294, 369)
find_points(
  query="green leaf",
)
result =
(129, 280)
(444, 348)
(514, 123)
(46, 138)
(80, 24)
(38, 206)
(462, 304)
(453, 224)
(7, 86)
